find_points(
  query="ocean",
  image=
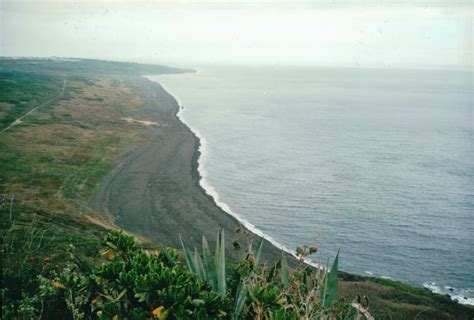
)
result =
(378, 164)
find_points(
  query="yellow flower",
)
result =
(116, 317)
(160, 312)
(109, 254)
(58, 285)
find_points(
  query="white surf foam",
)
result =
(211, 191)
(459, 295)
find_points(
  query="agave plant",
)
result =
(332, 284)
(135, 283)
(272, 293)
(206, 268)
(212, 270)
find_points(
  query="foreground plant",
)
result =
(134, 283)
(131, 284)
(261, 292)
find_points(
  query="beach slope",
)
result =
(153, 189)
(97, 134)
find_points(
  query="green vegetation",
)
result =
(55, 156)
(49, 166)
(261, 292)
(55, 266)
(22, 92)
(34, 244)
(134, 283)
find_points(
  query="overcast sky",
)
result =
(343, 33)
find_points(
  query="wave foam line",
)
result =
(211, 191)
(453, 293)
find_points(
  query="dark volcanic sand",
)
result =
(153, 190)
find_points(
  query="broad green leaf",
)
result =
(219, 262)
(198, 302)
(168, 257)
(332, 283)
(121, 294)
(188, 256)
(240, 302)
(324, 284)
(208, 263)
(205, 248)
(259, 252)
(199, 266)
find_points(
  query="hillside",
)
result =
(66, 128)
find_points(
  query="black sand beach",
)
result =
(153, 189)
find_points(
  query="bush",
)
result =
(260, 292)
(134, 283)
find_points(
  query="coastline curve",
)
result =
(210, 190)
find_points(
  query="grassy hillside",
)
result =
(63, 123)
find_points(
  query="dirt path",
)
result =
(19, 120)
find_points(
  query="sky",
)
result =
(383, 33)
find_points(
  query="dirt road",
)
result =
(19, 120)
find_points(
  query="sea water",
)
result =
(376, 163)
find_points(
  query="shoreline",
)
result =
(201, 175)
(133, 166)
(154, 189)
(210, 191)
(151, 189)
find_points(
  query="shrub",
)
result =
(260, 292)
(134, 283)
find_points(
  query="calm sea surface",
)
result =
(378, 164)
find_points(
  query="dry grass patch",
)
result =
(61, 151)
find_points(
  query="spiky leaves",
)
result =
(206, 268)
(332, 283)
(219, 262)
